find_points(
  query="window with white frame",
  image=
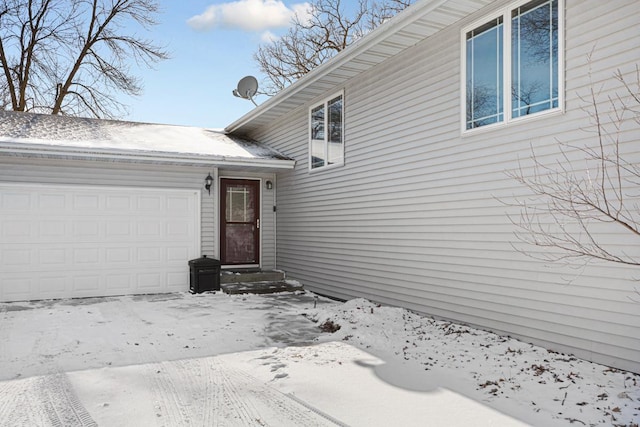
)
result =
(512, 64)
(326, 133)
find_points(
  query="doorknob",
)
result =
(258, 223)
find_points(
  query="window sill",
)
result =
(513, 122)
(324, 168)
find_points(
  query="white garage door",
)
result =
(71, 241)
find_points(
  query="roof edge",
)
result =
(38, 150)
(401, 20)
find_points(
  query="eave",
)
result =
(406, 29)
(130, 156)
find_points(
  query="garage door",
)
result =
(70, 241)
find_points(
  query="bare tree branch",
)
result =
(591, 184)
(72, 56)
(309, 43)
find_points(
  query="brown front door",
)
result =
(240, 221)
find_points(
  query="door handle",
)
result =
(258, 223)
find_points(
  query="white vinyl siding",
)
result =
(416, 217)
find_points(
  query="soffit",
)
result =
(408, 28)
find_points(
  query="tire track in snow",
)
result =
(187, 391)
(12, 400)
(171, 389)
(209, 393)
(214, 392)
(61, 404)
(171, 407)
(6, 391)
(192, 391)
(42, 401)
(49, 399)
(317, 411)
(272, 407)
(235, 404)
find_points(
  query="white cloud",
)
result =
(248, 15)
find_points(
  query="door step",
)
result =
(256, 281)
(266, 287)
(250, 276)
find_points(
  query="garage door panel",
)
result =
(16, 259)
(119, 256)
(85, 203)
(150, 228)
(17, 288)
(51, 286)
(86, 257)
(85, 284)
(92, 241)
(118, 283)
(52, 256)
(53, 229)
(147, 281)
(87, 229)
(149, 204)
(177, 204)
(118, 203)
(177, 254)
(15, 201)
(176, 228)
(52, 201)
(116, 229)
(15, 228)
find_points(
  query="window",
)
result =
(326, 133)
(512, 64)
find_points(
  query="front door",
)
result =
(240, 221)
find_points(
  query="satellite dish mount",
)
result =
(247, 88)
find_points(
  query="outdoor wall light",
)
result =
(269, 185)
(208, 181)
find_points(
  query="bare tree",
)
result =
(312, 41)
(589, 185)
(481, 106)
(525, 96)
(387, 9)
(538, 29)
(73, 56)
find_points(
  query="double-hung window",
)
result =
(512, 64)
(326, 133)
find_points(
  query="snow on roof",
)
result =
(90, 135)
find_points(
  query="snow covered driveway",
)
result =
(215, 359)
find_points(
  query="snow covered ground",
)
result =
(215, 359)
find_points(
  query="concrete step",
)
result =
(267, 287)
(250, 276)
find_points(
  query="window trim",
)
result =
(505, 12)
(325, 103)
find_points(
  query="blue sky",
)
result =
(211, 44)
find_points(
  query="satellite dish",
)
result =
(247, 88)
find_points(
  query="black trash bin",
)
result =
(205, 275)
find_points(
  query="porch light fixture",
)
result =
(208, 181)
(269, 185)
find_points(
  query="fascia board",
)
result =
(30, 150)
(406, 17)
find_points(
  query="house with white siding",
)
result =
(96, 207)
(383, 174)
(403, 143)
